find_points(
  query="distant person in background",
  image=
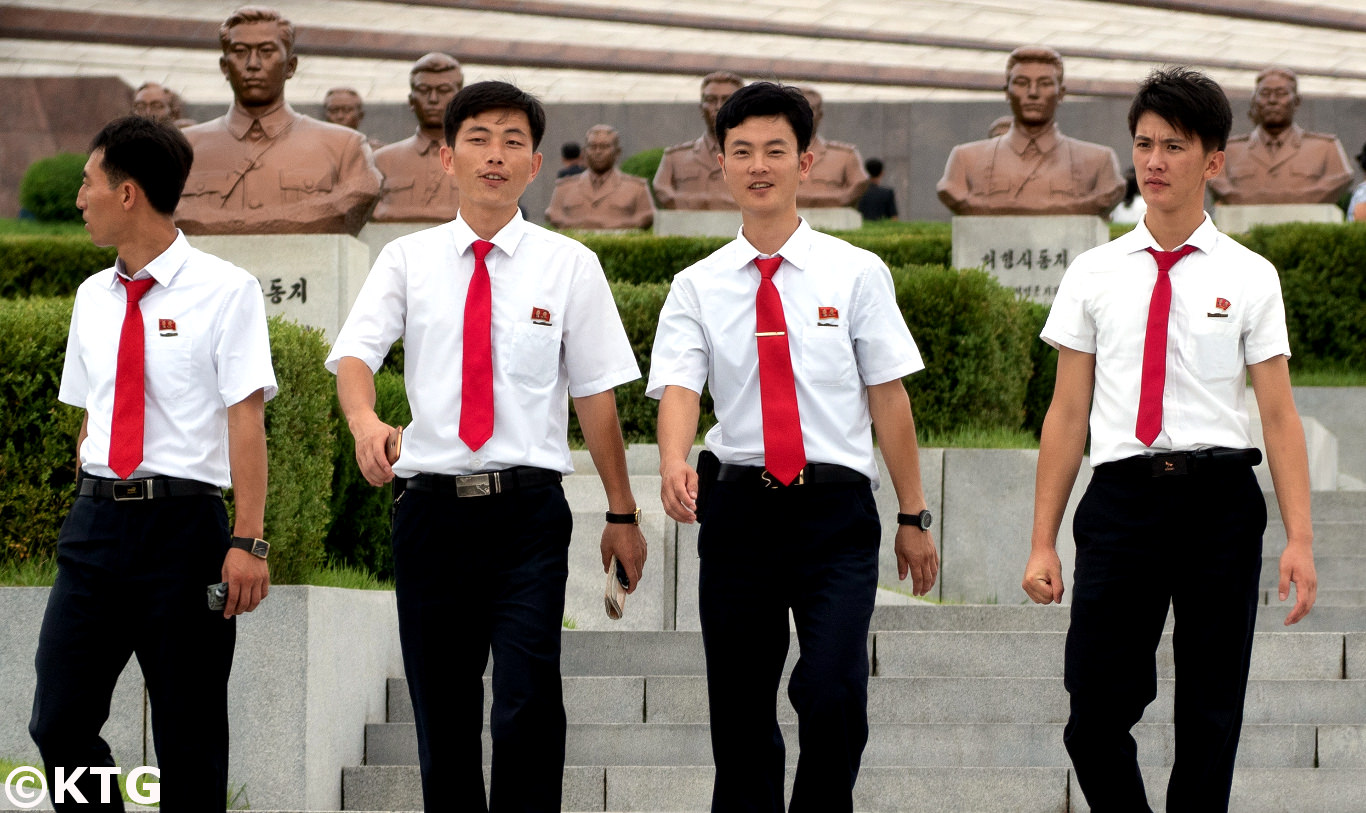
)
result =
(878, 202)
(1000, 126)
(571, 160)
(1280, 161)
(837, 177)
(1356, 207)
(344, 106)
(159, 103)
(1131, 209)
(689, 175)
(416, 187)
(604, 197)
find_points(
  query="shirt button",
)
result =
(255, 204)
(476, 462)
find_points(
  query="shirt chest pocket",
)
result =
(533, 357)
(1214, 347)
(208, 183)
(169, 367)
(398, 184)
(301, 182)
(827, 357)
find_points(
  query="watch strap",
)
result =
(259, 548)
(624, 519)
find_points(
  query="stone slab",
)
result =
(1342, 747)
(376, 236)
(1026, 253)
(21, 609)
(1342, 410)
(650, 607)
(1330, 538)
(1320, 444)
(1334, 572)
(1328, 506)
(586, 699)
(1239, 219)
(399, 788)
(1266, 790)
(1354, 667)
(312, 279)
(689, 223)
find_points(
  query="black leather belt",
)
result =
(1175, 464)
(484, 484)
(147, 488)
(812, 474)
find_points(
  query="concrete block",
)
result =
(399, 788)
(1342, 410)
(1327, 506)
(641, 458)
(1026, 252)
(1320, 444)
(1342, 747)
(720, 223)
(312, 279)
(1323, 619)
(22, 609)
(376, 236)
(586, 699)
(1018, 701)
(1305, 701)
(1265, 790)
(1334, 572)
(1330, 538)
(650, 607)
(970, 617)
(1240, 219)
(1354, 655)
(309, 673)
(932, 480)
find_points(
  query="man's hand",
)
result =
(248, 579)
(627, 543)
(678, 490)
(372, 438)
(1043, 577)
(917, 555)
(1297, 565)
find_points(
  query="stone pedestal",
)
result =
(312, 279)
(1025, 252)
(378, 235)
(1238, 219)
(675, 222)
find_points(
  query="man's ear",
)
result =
(291, 66)
(1214, 164)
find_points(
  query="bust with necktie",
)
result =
(799, 339)
(1157, 333)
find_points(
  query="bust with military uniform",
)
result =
(263, 168)
(603, 197)
(1279, 161)
(416, 188)
(689, 176)
(837, 176)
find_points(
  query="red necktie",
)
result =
(1149, 424)
(476, 388)
(784, 454)
(125, 434)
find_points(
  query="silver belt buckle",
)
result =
(476, 485)
(131, 490)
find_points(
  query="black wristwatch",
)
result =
(921, 520)
(259, 548)
(624, 519)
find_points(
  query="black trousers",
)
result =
(812, 549)
(1194, 542)
(472, 575)
(132, 579)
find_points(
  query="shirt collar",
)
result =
(1290, 136)
(1019, 141)
(796, 251)
(425, 146)
(274, 121)
(506, 239)
(1140, 239)
(162, 269)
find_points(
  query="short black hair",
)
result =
(766, 99)
(1188, 100)
(873, 166)
(154, 154)
(483, 96)
(570, 150)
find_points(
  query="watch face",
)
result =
(925, 520)
(260, 548)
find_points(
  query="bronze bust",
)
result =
(689, 176)
(837, 176)
(416, 188)
(603, 197)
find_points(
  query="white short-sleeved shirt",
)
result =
(206, 346)
(555, 331)
(1226, 313)
(844, 329)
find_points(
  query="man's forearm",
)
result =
(679, 410)
(355, 389)
(890, 408)
(248, 462)
(602, 435)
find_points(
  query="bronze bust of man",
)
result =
(603, 197)
(1033, 169)
(416, 188)
(689, 176)
(263, 168)
(837, 176)
(1279, 161)
(345, 107)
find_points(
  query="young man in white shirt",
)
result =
(800, 340)
(1174, 513)
(500, 319)
(169, 357)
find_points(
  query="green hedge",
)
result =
(49, 187)
(48, 265)
(38, 461)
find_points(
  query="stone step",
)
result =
(683, 699)
(1330, 538)
(1325, 506)
(902, 789)
(1334, 572)
(1025, 617)
(1325, 598)
(923, 744)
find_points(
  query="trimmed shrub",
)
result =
(645, 258)
(644, 164)
(1044, 365)
(973, 335)
(47, 265)
(50, 185)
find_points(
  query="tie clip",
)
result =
(772, 333)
